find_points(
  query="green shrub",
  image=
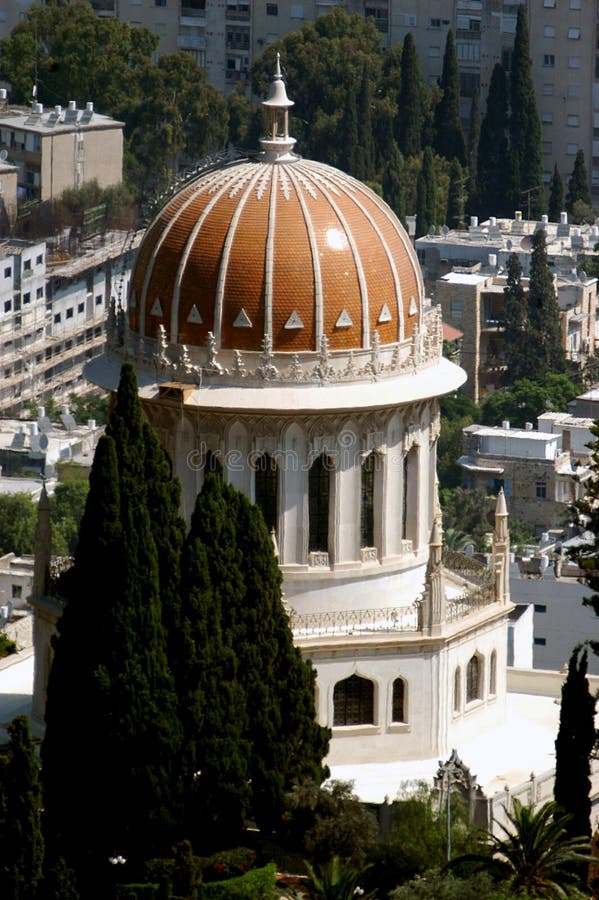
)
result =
(7, 646)
(137, 891)
(227, 863)
(259, 884)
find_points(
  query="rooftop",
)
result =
(56, 119)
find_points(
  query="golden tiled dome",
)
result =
(276, 246)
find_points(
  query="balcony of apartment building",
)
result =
(380, 15)
(491, 311)
(191, 40)
(237, 12)
(104, 8)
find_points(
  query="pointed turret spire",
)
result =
(501, 550)
(277, 144)
(42, 545)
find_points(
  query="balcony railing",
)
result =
(356, 621)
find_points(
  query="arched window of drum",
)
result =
(367, 503)
(493, 673)
(318, 504)
(404, 502)
(457, 690)
(353, 702)
(213, 464)
(398, 712)
(473, 674)
(265, 489)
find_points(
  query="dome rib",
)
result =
(393, 268)
(174, 323)
(269, 262)
(318, 302)
(323, 186)
(224, 263)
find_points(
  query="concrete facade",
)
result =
(536, 469)
(55, 149)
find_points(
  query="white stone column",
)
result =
(293, 506)
(393, 490)
(237, 462)
(346, 499)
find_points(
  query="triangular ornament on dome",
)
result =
(384, 315)
(413, 309)
(242, 320)
(294, 321)
(344, 320)
(194, 317)
(156, 308)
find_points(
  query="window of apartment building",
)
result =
(39, 259)
(434, 52)
(550, 4)
(39, 293)
(7, 272)
(434, 23)
(466, 23)
(7, 305)
(547, 148)
(540, 607)
(540, 490)
(272, 9)
(57, 318)
(27, 297)
(575, 4)
(540, 642)
(469, 83)
(297, 11)
(547, 177)
(574, 90)
(456, 308)
(238, 38)
(548, 90)
(81, 307)
(571, 149)
(547, 118)
(468, 51)
(573, 120)
(574, 62)
(27, 265)
(548, 59)
(98, 299)
(574, 34)
(70, 312)
(380, 15)
(409, 20)
(549, 31)
(159, 2)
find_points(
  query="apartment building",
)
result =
(53, 311)
(54, 149)
(536, 469)
(224, 36)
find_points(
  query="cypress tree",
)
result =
(449, 134)
(272, 737)
(411, 113)
(556, 196)
(110, 666)
(473, 140)
(545, 349)
(215, 758)
(366, 133)
(455, 196)
(515, 322)
(393, 182)
(20, 816)
(578, 185)
(492, 150)
(426, 193)
(575, 742)
(525, 127)
(353, 158)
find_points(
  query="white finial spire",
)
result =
(277, 144)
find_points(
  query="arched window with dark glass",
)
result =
(493, 673)
(367, 503)
(353, 701)
(398, 712)
(473, 679)
(265, 489)
(318, 504)
(457, 690)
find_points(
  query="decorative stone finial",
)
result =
(278, 144)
